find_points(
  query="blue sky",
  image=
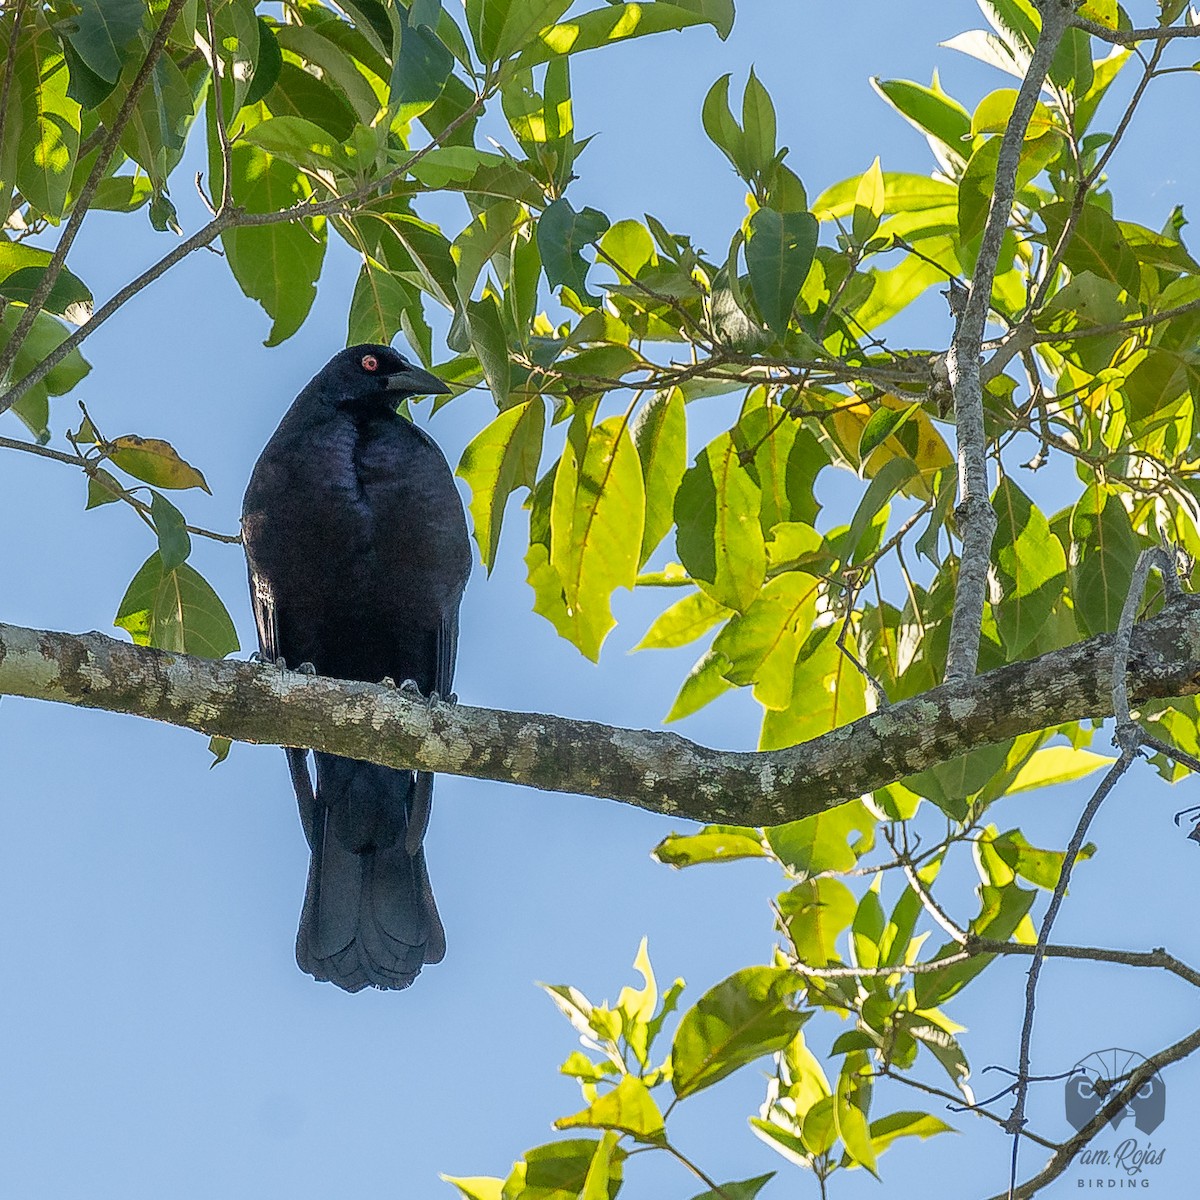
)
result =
(156, 1037)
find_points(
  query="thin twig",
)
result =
(1128, 37)
(89, 466)
(1066, 1152)
(1051, 263)
(1157, 958)
(219, 113)
(231, 218)
(955, 1102)
(53, 268)
(976, 517)
(1016, 1119)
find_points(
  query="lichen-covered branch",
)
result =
(977, 519)
(654, 770)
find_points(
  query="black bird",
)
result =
(358, 554)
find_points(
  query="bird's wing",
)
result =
(262, 595)
(266, 621)
(443, 680)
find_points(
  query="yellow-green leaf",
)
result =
(596, 521)
(153, 461)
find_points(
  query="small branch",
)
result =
(1051, 263)
(88, 466)
(230, 218)
(1128, 738)
(1016, 1119)
(1158, 957)
(219, 113)
(1065, 1154)
(79, 210)
(976, 517)
(955, 1102)
(1130, 37)
(1119, 327)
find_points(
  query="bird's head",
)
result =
(371, 375)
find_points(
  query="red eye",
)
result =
(370, 362)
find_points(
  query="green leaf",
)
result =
(1030, 567)
(832, 840)
(174, 542)
(122, 193)
(1040, 867)
(744, 1189)
(944, 122)
(1104, 550)
(713, 843)
(584, 1168)
(153, 461)
(722, 129)
(683, 622)
(758, 122)
(499, 459)
(779, 254)
(1057, 764)
(883, 424)
(619, 22)
(162, 115)
(951, 784)
(718, 534)
(378, 305)
(49, 145)
(629, 1107)
(597, 514)
(238, 50)
(102, 488)
(741, 1019)
(816, 912)
(485, 20)
(420, 72)
(1002, 910)
(45, 336)
(895, 1125)
(100, 33)
(524, 19)
(561, 235)
(297, 141)
(477, 1187)
(851, 1121)
(21, 270)
(761, 644)
(267, 66)
(176, 610)
(1097, 245)
(704, 683)
(868, 204)
(660, 435)
(486, 332)
(279, 264)
(219, 748)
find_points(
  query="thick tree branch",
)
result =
(976, 517)
(656, 771)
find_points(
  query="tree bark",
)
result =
(654, 770)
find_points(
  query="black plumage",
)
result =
(358, 554)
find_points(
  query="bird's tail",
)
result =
(369, 916)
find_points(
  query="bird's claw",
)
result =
(306, 668)
(410, 690)
(450, 699)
